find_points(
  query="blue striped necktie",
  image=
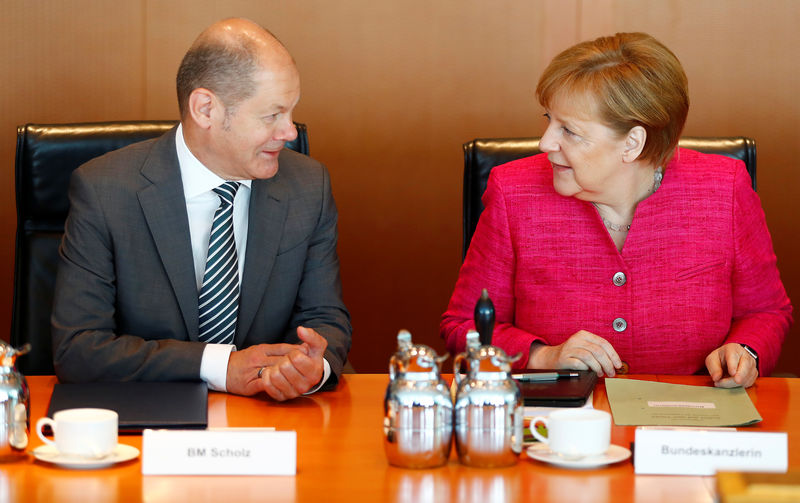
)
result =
(219, 295)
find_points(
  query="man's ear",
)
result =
(634, 143)
(201, 107)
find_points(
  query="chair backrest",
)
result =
(483, 154)
(47, 154)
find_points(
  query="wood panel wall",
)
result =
(391, 90)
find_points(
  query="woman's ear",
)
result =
(634, 143)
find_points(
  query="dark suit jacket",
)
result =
(125, 304)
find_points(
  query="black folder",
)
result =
(140, 405)
(563, 392)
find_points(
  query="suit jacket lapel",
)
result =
(164, 207)
(269, 203)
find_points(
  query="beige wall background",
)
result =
(391, 90)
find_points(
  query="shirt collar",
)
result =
(197, 179)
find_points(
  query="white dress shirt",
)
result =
(201, 203)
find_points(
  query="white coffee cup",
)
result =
(575, 433)
(86, 433)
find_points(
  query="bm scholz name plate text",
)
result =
(219, 452)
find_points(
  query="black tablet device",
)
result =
(140, 405)
(562, 392)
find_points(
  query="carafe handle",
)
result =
(393, 367)
(460, 357)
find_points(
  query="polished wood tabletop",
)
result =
(341, 458)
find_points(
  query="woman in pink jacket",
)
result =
(617, 249)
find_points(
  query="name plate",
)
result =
(219, 452)
(688, 451)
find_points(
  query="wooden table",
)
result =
(341, 458)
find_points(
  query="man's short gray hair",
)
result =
(224, 68)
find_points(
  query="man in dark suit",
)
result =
(135, 285)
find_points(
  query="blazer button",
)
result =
(620, 279)
(620, 324)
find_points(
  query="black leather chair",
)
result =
(483, 154)
(46, 156)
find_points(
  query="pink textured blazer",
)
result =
(697, 269)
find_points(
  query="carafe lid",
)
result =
(493, 359)
(9, 354)
(415, 361)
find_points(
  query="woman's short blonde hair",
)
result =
(632, 79)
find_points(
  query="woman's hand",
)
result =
(583, 350)
(732, 358)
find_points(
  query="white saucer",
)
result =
(49, 454)
(614, 454)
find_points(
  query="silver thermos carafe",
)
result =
(488, 406)
(418, 410)
(14, 403)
